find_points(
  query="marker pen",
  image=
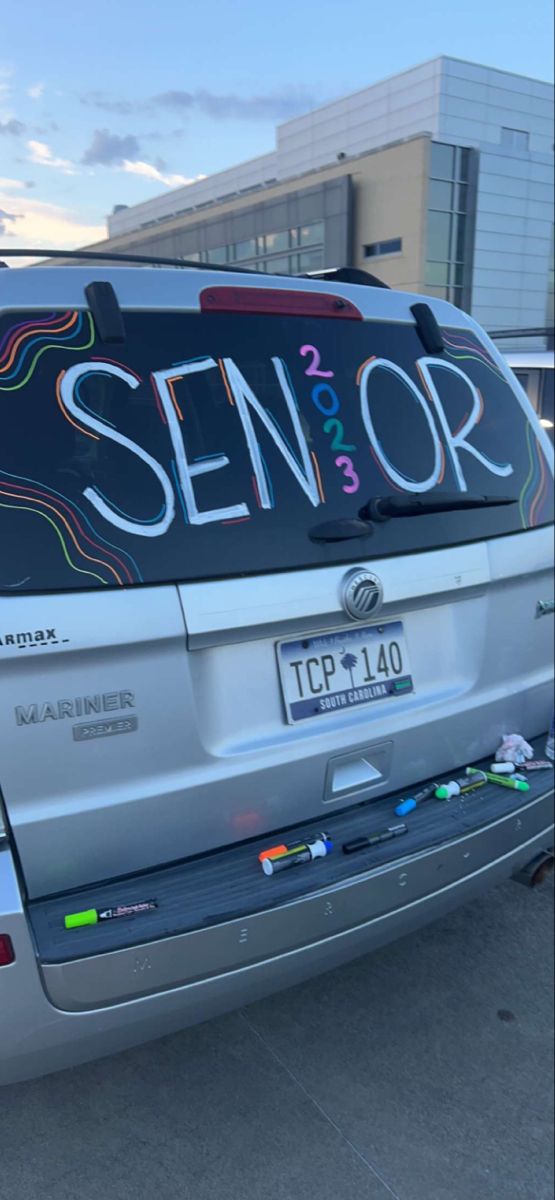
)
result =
(373, 839)
(299, 852)
(519, 785)
(459, 787)
(273, 852)
(91, 916)
(407, 806)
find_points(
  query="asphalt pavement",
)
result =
(421, 1072)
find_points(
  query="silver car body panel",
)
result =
(208, 764)
(147, 726)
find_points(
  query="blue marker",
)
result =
(406, 806)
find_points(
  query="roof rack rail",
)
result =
(350, 275)
(110, 256)
(339, 274)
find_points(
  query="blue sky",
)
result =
(113, 102)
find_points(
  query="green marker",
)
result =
(91, 916)
(518, 785)
(75, 920)
(459, 787)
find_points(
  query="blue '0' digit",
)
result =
(330, 407)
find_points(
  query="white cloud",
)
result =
(36, 90)
(41, 154)
(147, 171)
(40, 224)
(6, 185)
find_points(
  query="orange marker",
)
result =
(272, 852)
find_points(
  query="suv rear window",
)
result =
(209, 445)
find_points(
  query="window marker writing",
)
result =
(297, 853)
(459, 787)
(520, 785)
(91, 916)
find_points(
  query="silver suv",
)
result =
(272, 557)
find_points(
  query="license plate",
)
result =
(336, 671)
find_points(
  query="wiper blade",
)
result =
(340, 530)
(383, 508)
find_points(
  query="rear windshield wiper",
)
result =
(382, 508)
(340, 530)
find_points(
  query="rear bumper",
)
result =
(59, 1014)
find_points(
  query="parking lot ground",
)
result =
(421, 1072)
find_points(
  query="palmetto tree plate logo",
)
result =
(348, 662)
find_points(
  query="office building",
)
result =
(438, 180)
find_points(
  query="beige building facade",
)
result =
(437, 180)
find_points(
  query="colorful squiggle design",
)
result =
(10, 333)
(468, 349)
(535, 491)
(21, 348)
(59, 333)
(69, 522)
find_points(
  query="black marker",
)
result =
(373, 839)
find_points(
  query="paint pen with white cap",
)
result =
(508, 781)
(460, 787)
(280, 858)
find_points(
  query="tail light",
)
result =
(7, 953)
(277, 302)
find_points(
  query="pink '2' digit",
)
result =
(312, 369)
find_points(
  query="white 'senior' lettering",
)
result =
(402, 481)
(67, 388)
(185, 470)
(244, 396)
(457, 441)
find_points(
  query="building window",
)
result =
(242, 250)
(442, 165)
(447, 230)
(375, 249)
(310, 235)
(550, 306)
(310, 260)
(271, 251)
(218, 254)
(280, 265)
(438, 245)
(440, 195)
(276, 243)
(515, 139)
(437, 273)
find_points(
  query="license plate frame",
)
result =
(355, 695)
